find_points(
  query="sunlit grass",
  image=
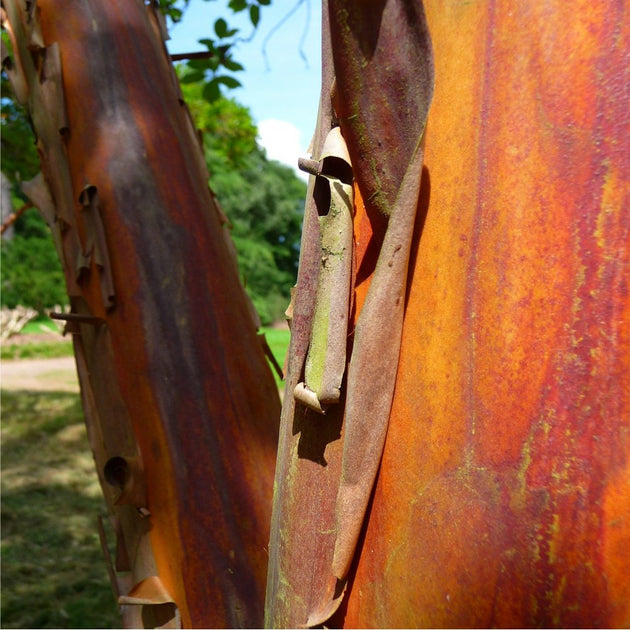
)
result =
(51, 346)
(38, 350)
(41, 325)
(278, 340)
(53, 571)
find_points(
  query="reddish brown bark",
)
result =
(181, 406)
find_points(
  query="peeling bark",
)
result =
(492, 372)
(180, 404)
(327, 466)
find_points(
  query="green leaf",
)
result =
(237, 5)
(254, 14)
(230, 82)
(232, 66)
(264, 3)
(220, 28)
(193, 77)
(208, 43)
(198, 64)
(211, 91)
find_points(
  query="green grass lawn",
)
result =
(278, 340)
(40, 324)
(53, 572)
(38, 350)
(56, 346)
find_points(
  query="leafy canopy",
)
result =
(216, 68)
(31, 271)
(263, 199)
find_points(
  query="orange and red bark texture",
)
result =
(503, 494)
(503, 497)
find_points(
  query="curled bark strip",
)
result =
(12, 65)
(35, 72)
(383, 51)
(309, 454)
(149, 591)
(127, 476)
(96, 243)
(384, 84)
(372, 370)
(51, 85)
(38, 192)
(326, 359)
(381, 94)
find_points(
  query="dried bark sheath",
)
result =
(503, 496)
(388, 51)
(180, 404)
(323, 483)
(301, 523)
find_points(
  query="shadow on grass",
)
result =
(53, 571)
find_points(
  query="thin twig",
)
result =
(14, 216)
(272, 32)
(192, 55)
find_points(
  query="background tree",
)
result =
(30, 271)
(181, 406)
(263, 199)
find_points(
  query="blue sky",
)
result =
(282, 92)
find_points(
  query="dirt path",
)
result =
(40, 374)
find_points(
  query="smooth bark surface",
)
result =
(503, 497)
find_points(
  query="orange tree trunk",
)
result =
(503, 493)
(180, 405)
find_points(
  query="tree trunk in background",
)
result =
(180, 404)
(503, 494)
(6, 206)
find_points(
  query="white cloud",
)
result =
(282, 141)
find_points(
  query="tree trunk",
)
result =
(503, 492)
(180, 404)
(6, 207)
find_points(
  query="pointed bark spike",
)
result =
(149, 591)
(107, 555)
